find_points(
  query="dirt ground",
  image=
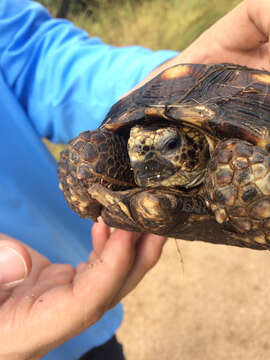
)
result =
(216, 308)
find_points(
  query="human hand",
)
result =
(240, 37)
(55, 302)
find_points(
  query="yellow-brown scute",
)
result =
(175, 72)
(264, 78)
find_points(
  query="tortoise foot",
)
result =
(238, 188)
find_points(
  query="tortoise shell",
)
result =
(225, 100)
(230, 106)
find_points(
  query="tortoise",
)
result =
(186, 156)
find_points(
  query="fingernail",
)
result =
(13, 268)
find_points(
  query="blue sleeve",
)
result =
(65, 80)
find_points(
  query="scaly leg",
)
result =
(238, 189)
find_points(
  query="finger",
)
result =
(81, 267)
(249, 20)
(100, 234)
(113, 264)
(93, 288)
(239, 37)
(49, 277)
(15, 262)
(54, 275)
(258, 12)
(82, 302)
(97, 286)
(148, 252)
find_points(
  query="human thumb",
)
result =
(15, 262)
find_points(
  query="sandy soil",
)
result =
(216, 308)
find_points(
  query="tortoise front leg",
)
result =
(169, 213)
(115, 207)
(159, 211)
(238, 189)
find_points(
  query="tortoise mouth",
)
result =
(152, 180)
(150, 173)
(159, 172)
(172, 179)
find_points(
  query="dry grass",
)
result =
(156, 24)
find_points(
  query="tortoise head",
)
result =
(167, 155)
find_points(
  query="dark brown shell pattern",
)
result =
(225, 101)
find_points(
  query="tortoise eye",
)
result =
(172, 144)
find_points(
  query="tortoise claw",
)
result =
(115, 212)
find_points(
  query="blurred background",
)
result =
(212, 302)
(157, 24)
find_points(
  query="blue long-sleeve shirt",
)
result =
(55, 81)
